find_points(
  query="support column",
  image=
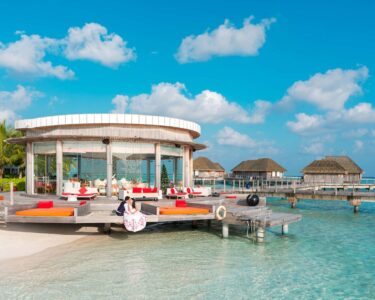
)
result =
(225, 230)
(292, 201)
(186, 166)
(260, 234)
(191, 173)
(355, 202)
(157, 166)
(284, 229)
(109, 170)
(29, 169)
(59, 168)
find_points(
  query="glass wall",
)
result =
(84, 161)
(44, 168)
(133, 164)
(171, 158)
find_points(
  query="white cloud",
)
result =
(225, 40)
(26, 56)
(328, 91)
(93, 42)
(356, 133)
(315, 148)
(358, 146)
(120, 102)
(171, 100)
(260, 111)
(12, 102)
(305, 123)
(230, 137)
(361, 113)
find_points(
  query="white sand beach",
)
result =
(20, 240)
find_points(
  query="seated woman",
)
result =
(134, 220)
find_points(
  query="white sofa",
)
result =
(140, 192)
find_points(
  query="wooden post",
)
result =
(284, 229)
(355, 202)
(292, 201)
(225, 230)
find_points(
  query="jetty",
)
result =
(99, 213)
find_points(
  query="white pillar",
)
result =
(186, 160)
(29, 169)
(284, 229)
(109, 170)
(191, 173)
(225, 230)
(59, 167)
(260, 233)
(157, 166)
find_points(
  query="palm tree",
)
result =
(10, 154)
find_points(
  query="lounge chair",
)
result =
(191, 192)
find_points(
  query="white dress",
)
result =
(134, 220)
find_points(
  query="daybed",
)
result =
(141, 193)
(75, 189)
(191, 192)
(47, 211)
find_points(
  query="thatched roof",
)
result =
(259, 165)
(347, 163)
(333, 165)
(204, 164)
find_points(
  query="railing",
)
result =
(277, 184)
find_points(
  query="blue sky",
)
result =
(294, 82)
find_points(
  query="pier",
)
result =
(99, 213)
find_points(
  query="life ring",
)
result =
(221, 213)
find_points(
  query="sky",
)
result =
(289, 80)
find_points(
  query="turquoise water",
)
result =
(330, 254)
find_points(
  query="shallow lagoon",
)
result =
(330, 254)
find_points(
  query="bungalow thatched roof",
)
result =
(204, 164)
(259, 165)
(333, 165)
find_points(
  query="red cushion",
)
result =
(155, 190)
(45, 204)
(137, 190)
(83, 202)
(147, 190)
(231, 197)
(82, 190)
(181, 203)
(173, 191)
(189, 190)
(181, 193)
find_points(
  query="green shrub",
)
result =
(18, 183)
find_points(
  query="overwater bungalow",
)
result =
(262, 168)
(106, 152)
(204, 168)
(333, 169)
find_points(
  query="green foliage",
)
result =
(10, 154)
(164, 179)
(18, 183)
